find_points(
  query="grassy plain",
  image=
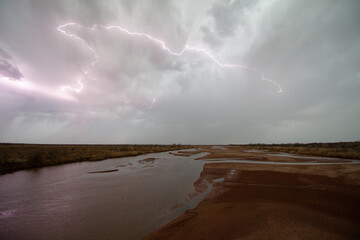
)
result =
(24, 156)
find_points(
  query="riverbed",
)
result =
(124, 198)
(128, 198)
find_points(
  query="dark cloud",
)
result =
(139, 93)
(211, 38)
(7, 66)
(226, 17)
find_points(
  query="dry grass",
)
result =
(23, 156)
(349, 150)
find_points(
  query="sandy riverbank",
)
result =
(260, 201)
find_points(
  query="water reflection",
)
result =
(125, 199)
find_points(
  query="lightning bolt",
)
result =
(160, 43)
(27, 86)
(154, 99)
(72, 89)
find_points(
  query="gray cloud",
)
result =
(137, 93)
(211, 38)
(8, 67)
(226, 17)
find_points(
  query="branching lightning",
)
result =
(160, 43)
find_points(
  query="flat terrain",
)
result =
(349, 150)
(269, 201)
(15, 157)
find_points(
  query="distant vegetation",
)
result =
(23, 156)
(350, 150)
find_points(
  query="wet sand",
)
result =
(147, 160)
(105, 171)
(263, 201)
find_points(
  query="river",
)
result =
(121, 198)
(70, 202)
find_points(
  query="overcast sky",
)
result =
(78, 84)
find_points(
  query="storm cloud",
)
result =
(136, 92)
(7, 67)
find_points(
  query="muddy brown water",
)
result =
(124, 198)
(88, 200)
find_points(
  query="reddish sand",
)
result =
(258, 201)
